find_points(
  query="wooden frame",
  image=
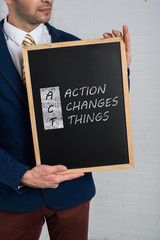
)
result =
(27, 49)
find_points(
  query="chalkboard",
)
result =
(79, 104)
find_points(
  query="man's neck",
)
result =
(26, 27)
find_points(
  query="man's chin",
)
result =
(42, 20)
(45, 19)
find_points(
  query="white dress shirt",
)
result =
(14, 38)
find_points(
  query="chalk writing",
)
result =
(85, 91)
(94, 98)
(84, 105)
(86, 118)
(96, 103)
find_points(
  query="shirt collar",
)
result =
(17, 35)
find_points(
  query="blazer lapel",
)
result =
(54, 33)
(9, 72)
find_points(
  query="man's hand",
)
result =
(126, 40)
(45, 176)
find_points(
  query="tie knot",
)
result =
(28, 40)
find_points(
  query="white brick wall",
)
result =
(127, 204)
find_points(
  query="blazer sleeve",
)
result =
(11, 170)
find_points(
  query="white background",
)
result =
(127, 204)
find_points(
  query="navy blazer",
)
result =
(16, 146)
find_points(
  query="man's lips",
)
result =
(45, 10)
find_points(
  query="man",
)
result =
(28, 193)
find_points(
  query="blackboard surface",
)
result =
(79, 105)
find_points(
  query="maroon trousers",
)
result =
(69, 224)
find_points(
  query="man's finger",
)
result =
(117, 33)
(127, 42)
(125, 29)
(46, 169)
(126, 38)
(58, 168)
(107, 35)
(68, 176)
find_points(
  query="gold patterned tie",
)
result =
(27, 41)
